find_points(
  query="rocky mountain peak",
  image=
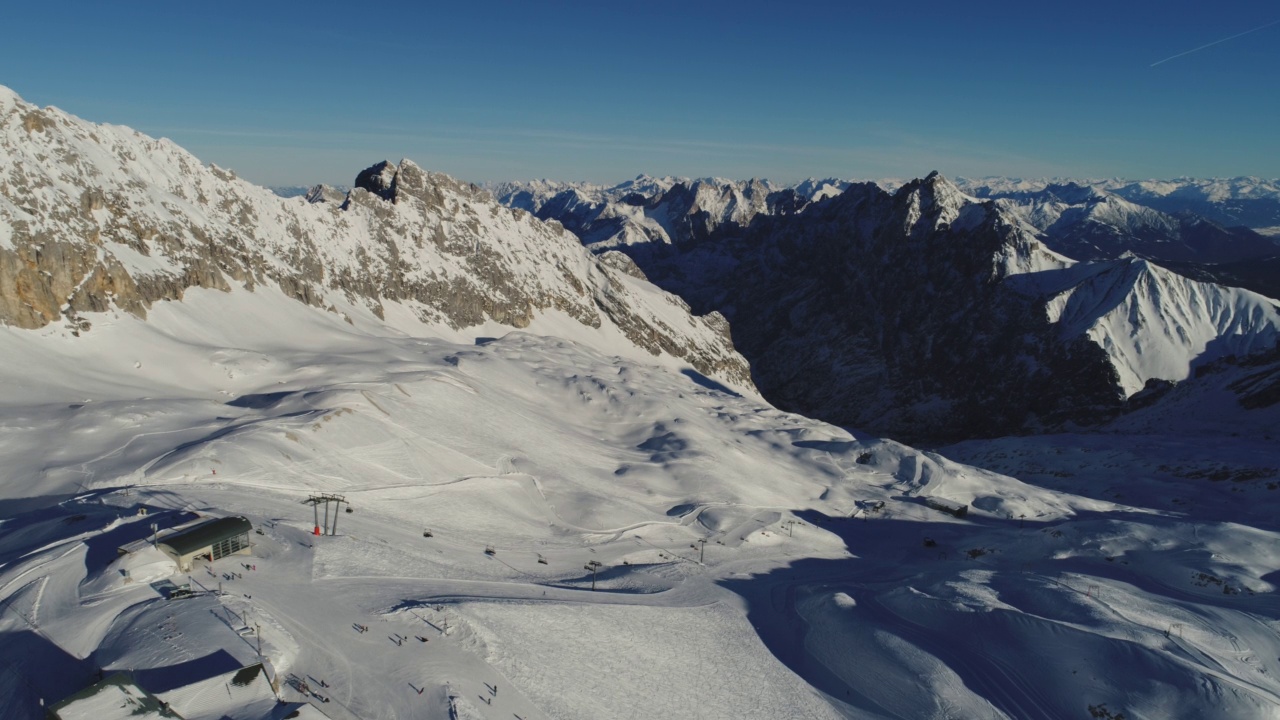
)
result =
(929, 313)
(1073, 193)
(1156, 324)
(325, 194)
(99, 218)
(8, 99)
(378, 179)
(930, 204)
(940, 192)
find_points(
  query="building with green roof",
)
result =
(209, 540)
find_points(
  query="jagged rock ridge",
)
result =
(97, 217)
(930, 314)
(666, 210)
(1240, 201)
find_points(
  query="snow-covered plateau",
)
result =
(562, 496)
(752, 563)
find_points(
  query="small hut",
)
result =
(950, 507)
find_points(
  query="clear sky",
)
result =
(296, 93)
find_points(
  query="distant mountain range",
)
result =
(666, 210)
(1200, 227)
(1242, 201)
(937, 309)
(312, 193)
(928, 310)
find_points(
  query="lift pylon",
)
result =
(326, 498)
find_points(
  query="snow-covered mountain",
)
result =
(289, 191)
(931, 313)
(1230, 202)
(531, 195)
(487, 478)
(1162, 221)
(1207, 212)
(662, 210)
(1248, 201)
(313, 193)
(96, 218)
(1156, 324)
(1207, 189)
(1262, 275)
(581, 518)
(1087, 223)
(1187, 226)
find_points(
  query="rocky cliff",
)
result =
(96, 218)
(672, 211)
(928, 314)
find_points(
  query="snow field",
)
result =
(1080, 584)
(635, 661)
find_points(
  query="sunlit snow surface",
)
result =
(1087, 585)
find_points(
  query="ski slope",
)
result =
(814, 595)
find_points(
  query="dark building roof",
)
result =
(136, 701)
(206, 534)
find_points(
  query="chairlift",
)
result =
(427, 533)
(488, 550)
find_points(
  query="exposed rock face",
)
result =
(96, 217)
(622, 263)
(665, 210)
(930, 315)
(1087, 223)
(379, 180)
(1235, 396)
(323, 193)
(1194, 227)
(888, 312)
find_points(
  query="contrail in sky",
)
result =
(1216, 42)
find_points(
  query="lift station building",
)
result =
(209, 540)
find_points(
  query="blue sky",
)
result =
(295, 93)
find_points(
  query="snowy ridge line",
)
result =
(1165, 589)
(141, 221)
(1197, 658)
(38, 566)
(1203, 663)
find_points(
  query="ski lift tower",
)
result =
(327, 498)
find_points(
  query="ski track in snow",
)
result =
(534, 454)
